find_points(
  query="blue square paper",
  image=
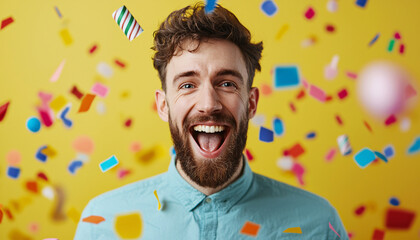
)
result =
(286, 77)
(266, 135)
(364, 157)
(13, 172)
(269, 7)
(361, 3)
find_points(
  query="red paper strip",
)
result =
(128, 122)
(45, 117)
(310, 13)
(402, 48)
(292, 106)
(42, 176)
(32, 186)
(390, 120)
(6, 22)
(119, 63)
(330, 28)
(76, 92)
(301, 94)
(338, 118)
(3, 110)
(93, 49)
(249, 155)
(360, 210)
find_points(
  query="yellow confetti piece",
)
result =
(282, 30)
(58, 103)
(293, 230)
(49, 151)
(66, 37)
(128, 225)
(73, 214)
(159, 205)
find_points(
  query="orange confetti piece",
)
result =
(86, 102)
(1, 215)
(250, 229)
(293, 230)
(93, 219)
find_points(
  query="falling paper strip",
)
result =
(250, 229)
(3, 110)
(57, 72)
(295, 151)
(330, 155)
(332, 228)
(293, 230)
(6, 22)
(378, 234)
(364, 157)
(389, 151)
(285, 163)
(332, 6)
(159, 205)
(86, 102)
(381, 156)
(394, 201)
(74, 165)
(40, 155)
(128, 225)
(127, 23)
(108, 164)
(58, 103)
(76, 92)
(58, 11)
(298, 170)
(310, 13)
(93, 219)
(13, 158)
(67, 122)
(282, 31)
(361, 3)
(317, 93)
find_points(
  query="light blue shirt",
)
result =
(189, 214)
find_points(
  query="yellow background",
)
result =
(31, 49)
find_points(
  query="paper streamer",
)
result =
(332, 228)
(127, 23)
(159, 205)
(57, 72)
(109, 163)
(344, 145)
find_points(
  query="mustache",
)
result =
(218, 118)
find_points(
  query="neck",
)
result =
(209, 190)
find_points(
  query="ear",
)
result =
(161, 105)
(254, 95)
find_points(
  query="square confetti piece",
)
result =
(250, 229)
(13, 172)
(364, 157)
(100, 89)
(269, 7)
(127, 23)
(361, 3)
(108, 164)
(66, 37)
(397, 218)
(58, 103)
(378, 234)
(286, 77)
(266, 135)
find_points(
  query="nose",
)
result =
(208, 100)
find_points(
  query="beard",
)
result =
(216, 171)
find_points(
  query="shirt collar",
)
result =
(225, 199)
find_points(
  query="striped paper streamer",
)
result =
(127, 23)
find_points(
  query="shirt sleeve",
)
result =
(338, 226)
(84, 229)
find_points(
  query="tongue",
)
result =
(209, 141)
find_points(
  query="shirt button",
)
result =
(208, 200)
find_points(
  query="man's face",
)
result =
(208, 105)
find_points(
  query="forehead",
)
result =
(210, 56)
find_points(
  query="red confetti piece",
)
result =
(397, 35)
(6, 22)
(342, 94)
(368, 126)
(310, 13)
(3, 110)
(402, 48)
(295, 151)
(298, 170)
(128, 122)
(86, 102)
(266, 89)
(378, 234)
(351, 75)
(410, 92)
(250, 229)
(338, 118)
(330, 28)
(119, 63)
(249, 155)
(360, 210)
(390, 120)
(45, 116)
(8, 213)
(93, 219)
(1, 215)
(76, 92)
(42, 176)
(397, 218)
(301, 94)
(93, 49)
(292, 106)
(328, 98)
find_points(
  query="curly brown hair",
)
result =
(193, 23)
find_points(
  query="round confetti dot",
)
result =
(135, 146)
(33, 124)
(13, 158)
(83, 144)
(394, 201)
(311, 135)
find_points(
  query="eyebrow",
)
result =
(222, 72)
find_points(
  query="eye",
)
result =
(228, 84)
(187, 86)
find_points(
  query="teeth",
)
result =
(209, 129)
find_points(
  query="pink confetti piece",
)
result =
(266, 89)
(351, 75)
(390, 120)
(397, 35)
(100, 89)
(135, 146)
(45, 98)
(249, 155)
(310, 13)
(410, 92)
(402, 48)
(299, 170)
(330, 155)
(305, 83)
(342, 94)
(317, 93)
(122, 173)
(332, 228)
(57, 72)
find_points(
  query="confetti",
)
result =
(13, 158)
(269, 8)
(86, 102)
(339, 120)
(330, 71)
(40, 155)
(301, 94)
(361, 3)
(128, 225)
(250, 229)
(3, 110)
(295, 151)
(298, 170)
(42, 176)
(13, 172)
(378, 234)
(374, 39)
(33, 124)
(83, 144)
(93, 49)
(367, 126)
(266, 90)
(100, 89)
(101, 108)
(332, 6)
(285, 163)
(360, 210)
(330, 155)
(6, 22)
(342, 94)
(249, 155)
(108, 163)
(1, 215)
(344, 145)
(32, 186)
(394, 201)
(57, 72)
(414, 147)
(123, 173)
(282, 31)
(332, 228)
(391, 45)
(58, 12)
(410, 91)
(159, 205)
(317, 93)
(73, 214)
(66, 37)
(93, 219)
(397, 218)
(381, 156)
(210, 5)
(120, 64)
(286, 77)
(74, 166)
(351, 75)
(364, 157)
(67, 122)
(48, 192)
(292, 107)
(76, 92)
(310, 13)
(330, 28)
(128, 122)
(105, 70)
(311, 135)
(390, 120)
(402, 48)
(389, 151)
(278, 126)
(266, 135)
(58, 103)
(293, 230)
(127, 23)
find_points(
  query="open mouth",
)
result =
(209, 138)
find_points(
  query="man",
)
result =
(206, 65)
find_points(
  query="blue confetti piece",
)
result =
(172, 151)
(311, 135)
(108, 164)
(381, 156)
(67, 122)
(33, 124)
(40, 156)
(394, 201)
(13, 172)
(364, 157)
(269, 8)
(361, 3)
(286, 77)
(278, 126)
(210, 5)
(415, 146)
(389, 151)
(374, 39)
(74, 165)
(58, 12)
(266, 135)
